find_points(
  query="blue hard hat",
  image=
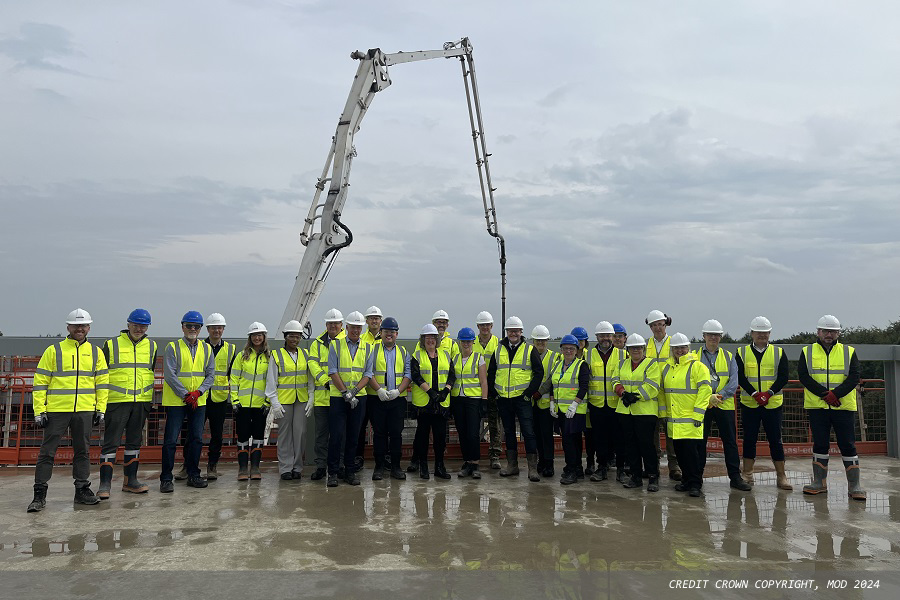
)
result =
(569, 339)
(390, 323)
(139, 316)
(618, 328)
(466, 334)
(192, 316)
(580, 333)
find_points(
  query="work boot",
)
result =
(286, 476)
(166, 487)
(352, 478)
(40, 498)
(378, 473)
(84, 495)
(131, 483)
(680, 487)
(319, 474)
(512, 465)
(568, 478)
(674, 472)
(182, 474)
(212, 473)
(196, 482)
(397, 473)
(476, 474)
(423, 470)
(296, 475)
(851, 468)
(533, 474)
(739, 484)
(255, 457)
(589, 469)
(243, 470)
(781, 478)
(819, 483)
(465, 471)
(440, 471)
(653, 484)
(579, 472)
(634, 482)
(495, 461)
(747, 471)
(695, 493)
(413, 465)
(332, 481)
(106, 475)
(620, 475)
(599, 474)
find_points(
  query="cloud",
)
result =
(764, 265)
(555, 97)
(39, 46)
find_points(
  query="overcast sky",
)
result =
(709, 159)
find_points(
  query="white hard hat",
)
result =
(679, 339)
(257, 327)
(540, 333)
(440, 314)
(760, 324)
(292, 326)
(712, 326)
(430, 329)
(604, 327)
(79, 316)
(356, 318)
(215, 319)
(484, 318)
(656, 315)
(635, 340)
(373, 311)
(829, 322)
(333, 315)
(514, 323)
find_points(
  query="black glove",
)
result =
(630, 398)
(444, 393)
(235, 407)
(266, 410)
(434, 398)
(698, 424)
(98, 417)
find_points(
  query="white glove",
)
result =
(570, 412)
(277, 409)
(347, 395)
(553, 410)
(354, 402)
(383, 394)
(309, 407)
(393, 394)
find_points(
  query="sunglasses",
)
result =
(192, 326)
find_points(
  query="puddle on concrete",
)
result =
(103, 541)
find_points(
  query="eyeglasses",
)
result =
(191, 326)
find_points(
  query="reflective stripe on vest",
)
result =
(131, 369)
(379, 371)
(249, 376)
(761, 374)
(350, 369)
(517, 372)
(467, 382)
(420, 397)
(190, 371)
(565, 385)
(830, 369)
(636, 381)
(221, 390)
(293, 380)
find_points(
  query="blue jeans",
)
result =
(517, 408)
(193, 445)
(344, 424)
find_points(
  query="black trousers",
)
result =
(571, 443)
(638, 432)
(216, 413)
(250, 422)
(543, 432)
(771, 422)
(430, 423)
(79, 426)
(467, 418)
(688, 452)
(724, 420)
(368, 417)
(127, 418)
(387, 423)
(823, 420)
(602, 432)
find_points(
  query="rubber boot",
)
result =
(512, 464)
(747, 471)
(533, 474)
(106, 475)
(851, 467)
(243, 459)
(255, 458)
(781, 478)
(131, 483)
(819, 484)
(40, 498)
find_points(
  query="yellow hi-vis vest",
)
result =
(603, 377)
(549, 360)
(687, 389)
(488, 348)
(191, 371)
(70, 377)
(467, 383)
(371, 339)
(248, 380)
(318, 367)
(380, 370)
(761, 375)
(512, 377)
(643, 381)
(221, 390)
(723, 359)
(665, 354)
(419, 396)
(131, 369)
(351, 369)
(293, 376)
(565, 385)
(830, 369)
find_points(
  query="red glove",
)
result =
(831, 400)
(619, 390)
(762, 398)
(191, 399)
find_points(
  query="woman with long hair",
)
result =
(432, 373)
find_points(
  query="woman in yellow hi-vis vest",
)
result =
(431, 369)
(248, 392)
(468, 394)
(544, 422)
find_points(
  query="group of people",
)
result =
(609, 397)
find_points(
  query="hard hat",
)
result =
(466, 334)
(514, 323)
(712, 326)
(604, 327)
(429, 330)
(390, 323)
(635, 340)
(192, 316)
(829, 322)
(291, 326)
(257, 327)
(484, 318)
(568, 339)
(139, 316)
(215, 319)
(760, 324)
(440, 314)
(580, 333)
(373, 311)
(356, 318)
(540, 333)
(679, 339)
(334, 315)
(658, 315)
(79, 316)
(619, 328)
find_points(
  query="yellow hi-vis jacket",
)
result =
(318, 367)
(488, 348)
(723, 359)
(380, 370)
(687, 389)
(643, 381)
(70, 377)
(830, 369)
(293, 376)
(761, 374)
(664, 356)
(351, 368)
(513, 376)
(603, 377)
(467, 382)
(248, 380)
(131, 368)
(221, 389)
(191, 371)
(549, 360)
(419, 396)
(565, 385)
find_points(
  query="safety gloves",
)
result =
(553, 409)
(41, 420)
(831, 399)
(190, 399)
(570, 412)
(99, 418)
(277, 409)
(762, 398)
